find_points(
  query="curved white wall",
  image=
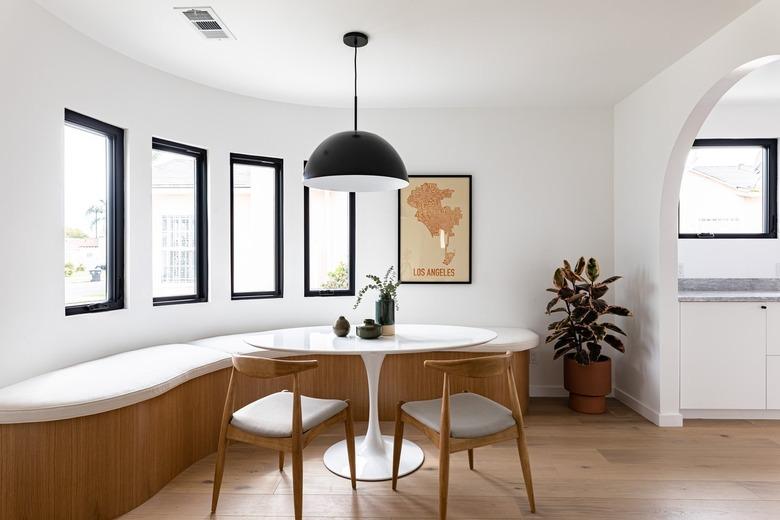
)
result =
(654, 128)
(525, 162)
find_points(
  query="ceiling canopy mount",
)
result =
(355, 39)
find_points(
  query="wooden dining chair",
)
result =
(284, 421)
(466, 420)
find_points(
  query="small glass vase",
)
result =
(385, 315)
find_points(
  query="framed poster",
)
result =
(434, 229)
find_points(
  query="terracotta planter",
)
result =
(588, 385)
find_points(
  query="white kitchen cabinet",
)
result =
(723, 355)
(773, 328)
(773, 382)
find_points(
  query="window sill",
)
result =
(91, 308)
(175, 300)
(309, 293)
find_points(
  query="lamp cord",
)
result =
(355, 108)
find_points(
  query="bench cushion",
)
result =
(271, 416)
(235, 344)
(107, 384)
(471, 415)
(513, 339)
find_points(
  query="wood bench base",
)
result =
(103, 465)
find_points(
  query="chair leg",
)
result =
(444, 480)
(349, 428)
(398, 440)
(471, 459)
(281, 461)
(522, 449)
(220, 468)
(297, 467)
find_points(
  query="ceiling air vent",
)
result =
(206, 22)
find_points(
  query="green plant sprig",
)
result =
(581, 297)
(387, 287)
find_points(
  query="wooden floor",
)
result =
(615, 466)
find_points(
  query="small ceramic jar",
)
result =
(341, 327)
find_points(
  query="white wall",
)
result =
(526, 164)
(750, 258)
(654, 129)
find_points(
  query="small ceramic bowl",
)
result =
(369, 330)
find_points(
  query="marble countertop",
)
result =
(729, 296)
(729, 290)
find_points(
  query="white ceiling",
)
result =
(432, 53)
(760, 86)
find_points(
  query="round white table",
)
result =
(375, 451)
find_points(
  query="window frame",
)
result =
(307, 291)
(115, 214)
(278, 166)
(770, 200)
(201, 222)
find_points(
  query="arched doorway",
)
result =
(669, 317)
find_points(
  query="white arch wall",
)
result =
(654, 128)
(520, 159)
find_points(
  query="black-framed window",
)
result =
(328, 243)
(256, 241)
(729, 189)
(179, 223)
(94, 159)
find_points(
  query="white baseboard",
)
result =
(731, 414)
(548, 391)
(659, 419)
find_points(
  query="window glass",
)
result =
(254, 207)
(174, 260)
(329, 240)
(723, 190)
(93, 217)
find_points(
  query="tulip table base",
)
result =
(374, 451)
(373, 464)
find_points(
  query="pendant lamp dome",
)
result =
(355, 160)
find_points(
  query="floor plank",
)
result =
(613, 466)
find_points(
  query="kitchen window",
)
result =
(729, 189)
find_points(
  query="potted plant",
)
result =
(387, 303)
(579, 335)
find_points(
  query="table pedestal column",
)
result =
(374, 450)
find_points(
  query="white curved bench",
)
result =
(107, 384)
(510, 339)
(235, 344)
(104, 423)
(130, 377)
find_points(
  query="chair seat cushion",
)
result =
(271, 416)
(471, 415)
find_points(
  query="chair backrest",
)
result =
(264, 368)
(478, 367)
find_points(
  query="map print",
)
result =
(440, 220)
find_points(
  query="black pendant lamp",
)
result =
(355, 160)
